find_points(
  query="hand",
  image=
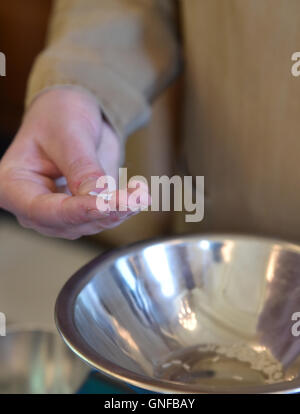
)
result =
(62, 134)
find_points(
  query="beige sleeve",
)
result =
(123, 51)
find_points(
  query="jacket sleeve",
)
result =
(125, 52)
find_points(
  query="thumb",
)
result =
(79, 163)
(83, 173)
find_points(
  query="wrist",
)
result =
(66, 94)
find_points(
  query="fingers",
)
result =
(61, 136)
(31, 198)
(71, 217)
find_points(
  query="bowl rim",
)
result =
(65, 323)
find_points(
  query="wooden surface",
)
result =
(23, 27)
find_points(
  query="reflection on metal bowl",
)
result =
(204, 314)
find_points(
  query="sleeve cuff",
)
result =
(125, 108)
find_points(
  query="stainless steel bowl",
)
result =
(204, 314)
(36, 361)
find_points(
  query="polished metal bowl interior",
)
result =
(36, 361)
(206, 314)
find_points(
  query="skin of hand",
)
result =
(62, 134)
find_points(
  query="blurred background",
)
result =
(32, 267)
